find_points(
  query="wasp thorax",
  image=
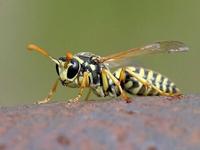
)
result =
(68, 70)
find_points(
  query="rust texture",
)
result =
(148, 123)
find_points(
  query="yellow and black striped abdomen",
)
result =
(133, 86)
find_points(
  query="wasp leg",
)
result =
(117, 82)
(88, 94)
(146, 83)
(122, 75)
(84, 84)
(49, 96)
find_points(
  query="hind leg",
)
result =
(146, 83)
(117, 82)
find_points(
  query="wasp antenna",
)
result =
(33, 47)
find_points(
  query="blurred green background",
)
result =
(101, 27)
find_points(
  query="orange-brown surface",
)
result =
(148, 123)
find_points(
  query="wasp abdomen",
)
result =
(133, 86)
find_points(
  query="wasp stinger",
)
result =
(87, 70)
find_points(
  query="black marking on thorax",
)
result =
(86, 66)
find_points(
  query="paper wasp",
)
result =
(87, 70)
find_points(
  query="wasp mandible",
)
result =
(87, 70)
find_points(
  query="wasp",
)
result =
(88, 70)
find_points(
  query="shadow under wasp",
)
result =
(87, 70)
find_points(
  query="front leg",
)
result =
(84, 84)
(88, 94)
(51, 93)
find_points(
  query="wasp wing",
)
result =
(157, 47)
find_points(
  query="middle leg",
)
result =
(84, 84)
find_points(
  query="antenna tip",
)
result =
(31, 47)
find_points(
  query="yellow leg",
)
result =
(123, 94)
(105, 81)
(52, 91)
(146, 83)
(122, 75)
(88, 94)
(84, 84)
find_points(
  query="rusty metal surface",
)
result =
(148, 123)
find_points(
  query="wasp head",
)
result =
(68, 68)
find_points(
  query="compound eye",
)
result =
(73, 69)
(57, 69)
